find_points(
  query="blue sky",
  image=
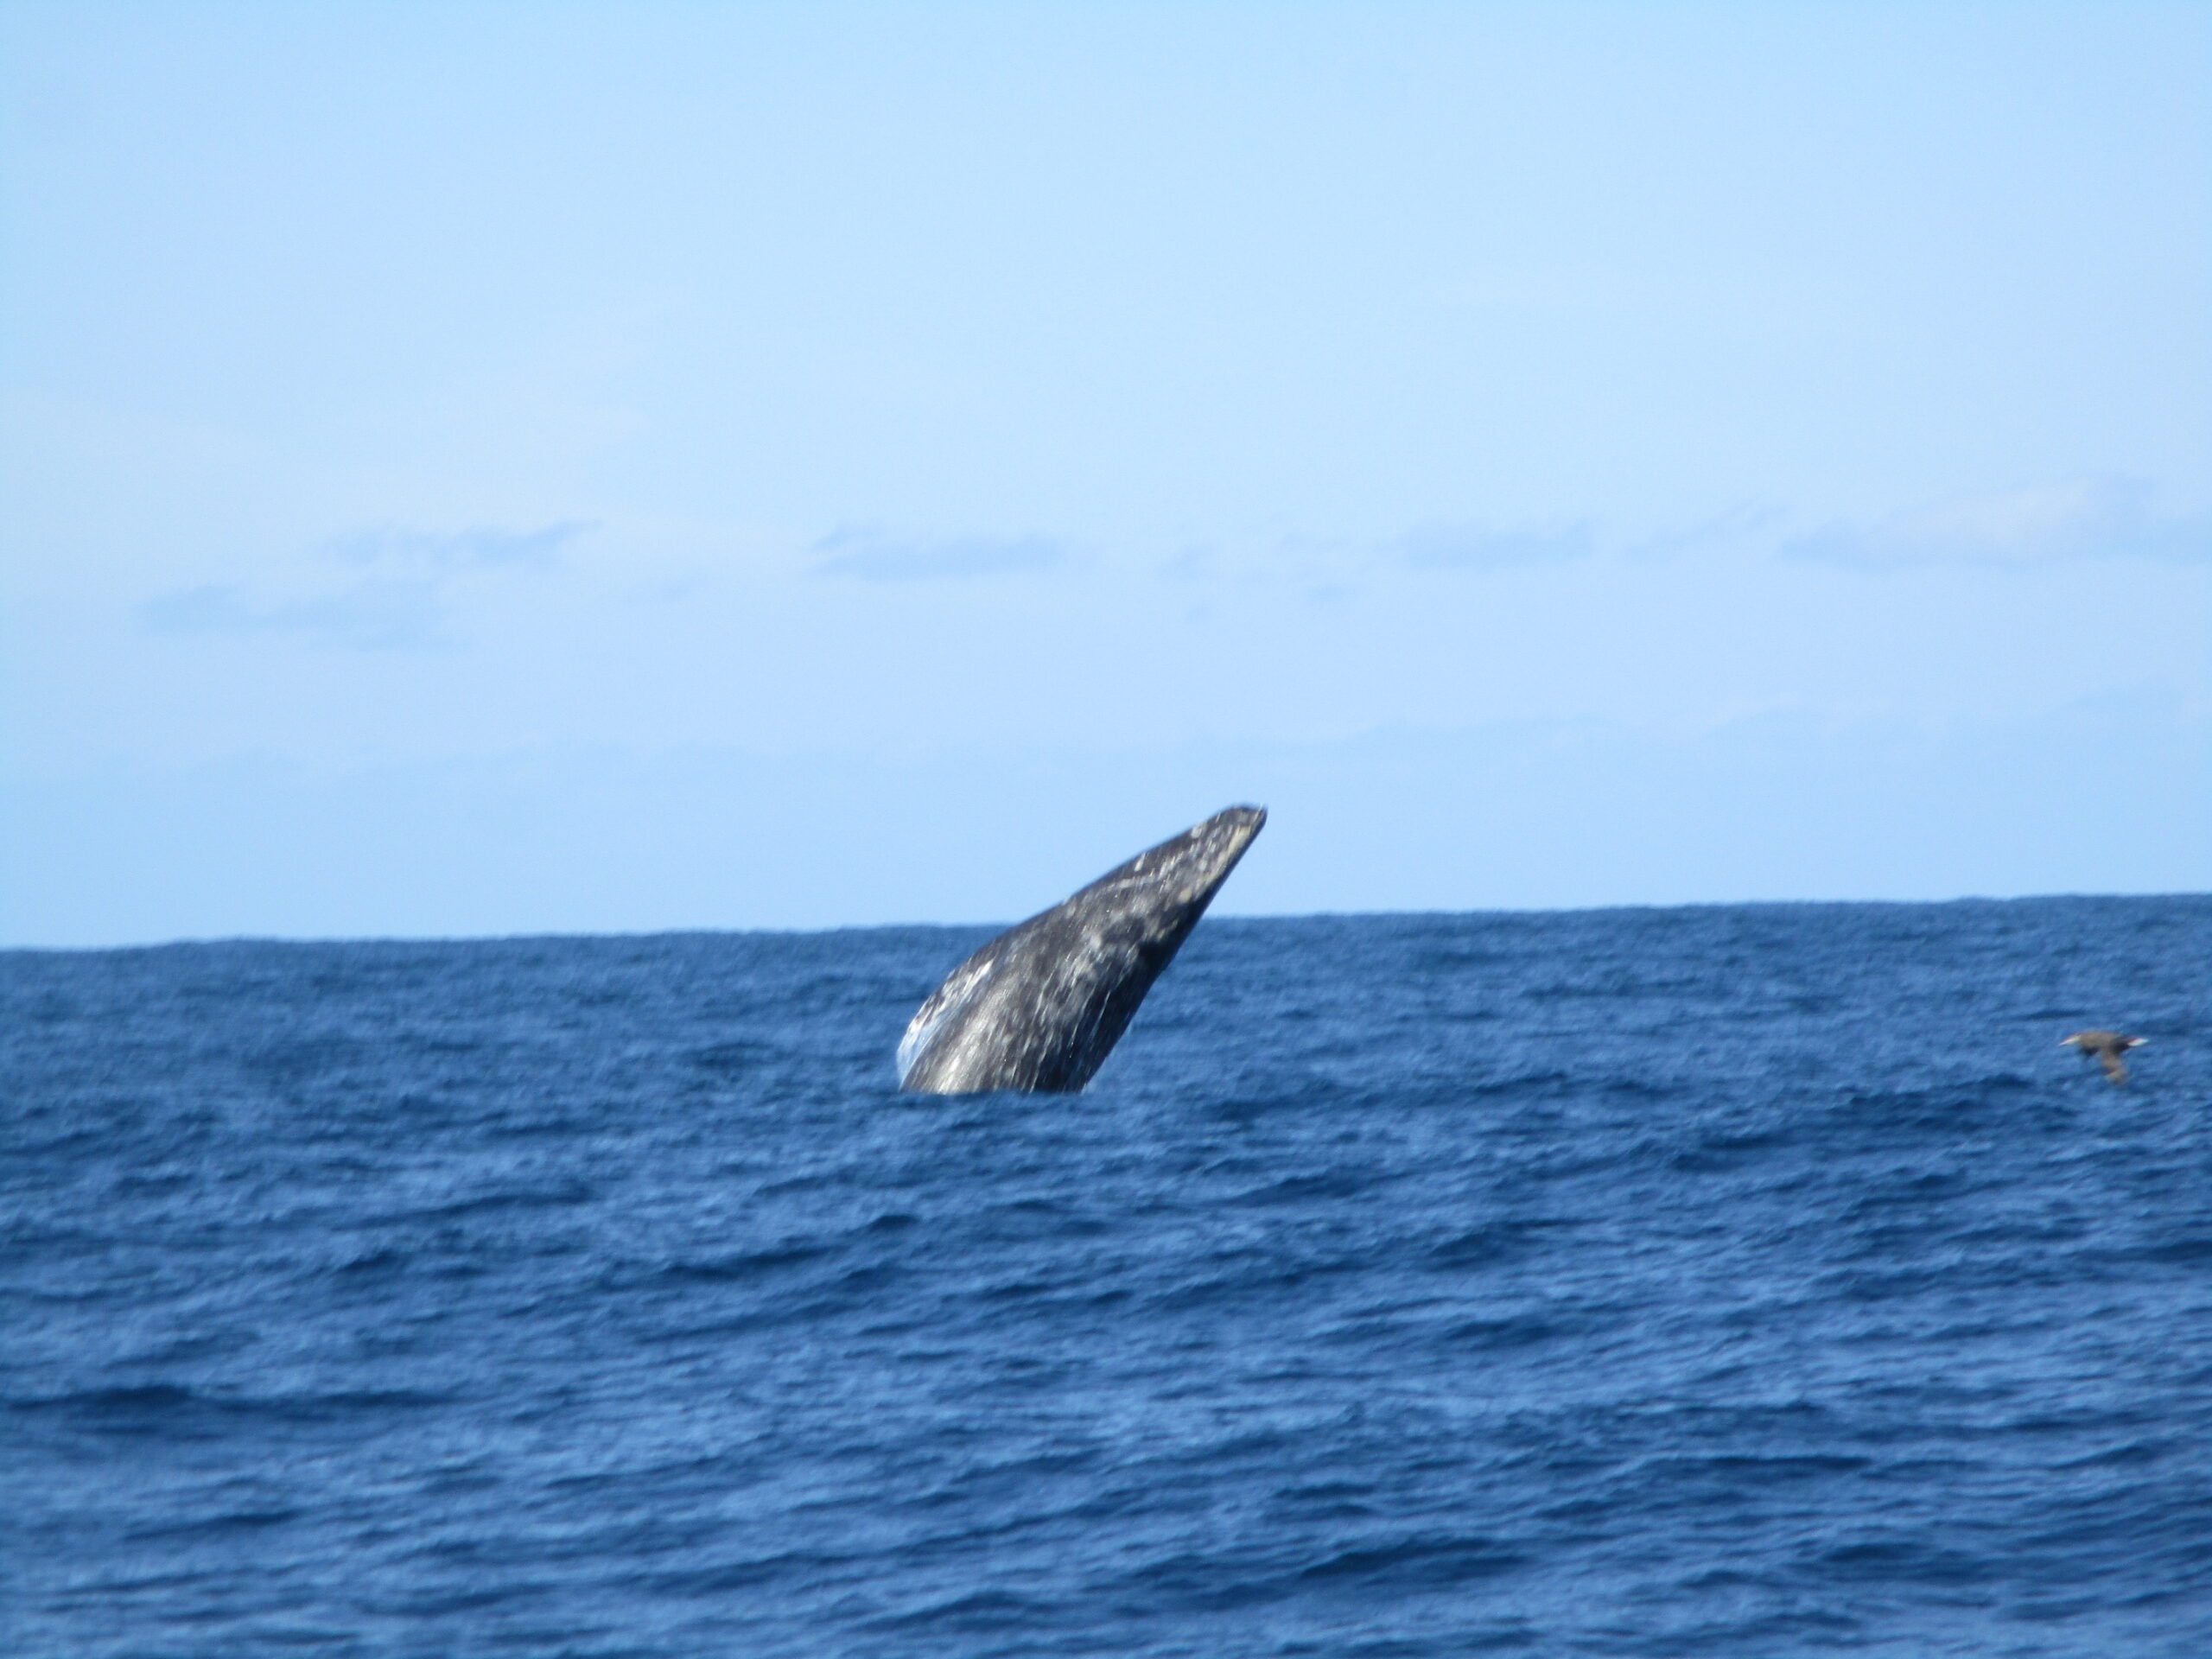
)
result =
(499, 468)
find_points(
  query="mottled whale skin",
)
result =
(1041, 1007)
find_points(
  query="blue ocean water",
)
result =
(1714, 1281)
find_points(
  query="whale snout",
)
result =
(1226, 835)
(1241, 824)
(1204, 854)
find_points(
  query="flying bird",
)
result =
(2108, 1046)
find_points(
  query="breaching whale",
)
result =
(1041, 1007)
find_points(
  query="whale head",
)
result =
(1165, 889)
(1039, 1007)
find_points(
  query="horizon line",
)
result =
(309, 941)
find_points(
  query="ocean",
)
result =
(1735, 1281)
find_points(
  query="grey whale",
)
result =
(1039, 1007)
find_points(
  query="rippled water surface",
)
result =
(1728, 1282)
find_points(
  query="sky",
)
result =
(487, 469)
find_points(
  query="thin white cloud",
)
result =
(401, 607)
(2048, 524)
(378, 614)
(479, 547)
(1466, 547)
(868, 557)
(1747, 521)
(1191, 564)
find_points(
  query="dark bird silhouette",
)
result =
(2108, 1046)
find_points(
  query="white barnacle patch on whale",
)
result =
(1041, 1007)
(944, 1003)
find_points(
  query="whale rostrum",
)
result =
(1041, 1007)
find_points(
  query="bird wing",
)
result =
(2113, 1068)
